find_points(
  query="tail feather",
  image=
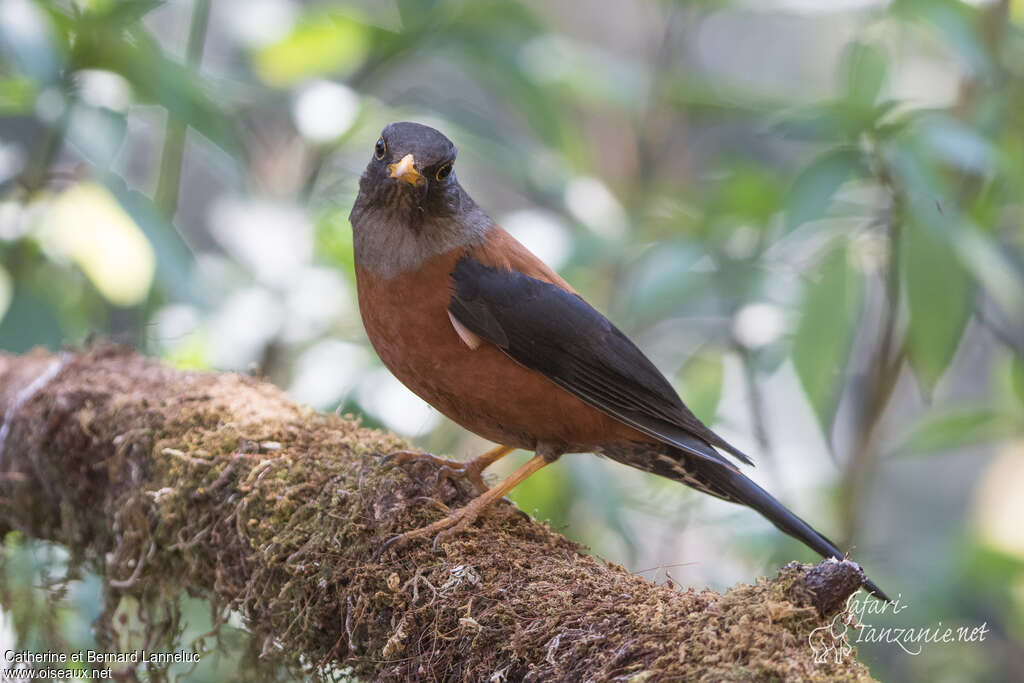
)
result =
(740, 489)
(733, 486)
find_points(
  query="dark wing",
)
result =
(555, 332)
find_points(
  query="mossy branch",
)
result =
(165, 481)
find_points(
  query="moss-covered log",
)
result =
(215, 484)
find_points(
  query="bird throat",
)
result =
(396, 236)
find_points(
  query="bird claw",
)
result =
(458, 520)
(449, 526)
(395, 541)
(396, 458)
(455, 471)
(452, 470)
(453, 530)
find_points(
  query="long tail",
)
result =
(734, 487)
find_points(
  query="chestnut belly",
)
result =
(493, 396)
(482, 389)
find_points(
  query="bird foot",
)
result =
(451, 470)
(464, 516)
(443, 528)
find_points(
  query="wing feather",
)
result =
(558, 334)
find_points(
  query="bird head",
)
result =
(416, 155)
(410, 204)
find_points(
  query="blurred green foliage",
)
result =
(810, 217)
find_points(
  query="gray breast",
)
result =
(394, 237)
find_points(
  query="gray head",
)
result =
(410, 205)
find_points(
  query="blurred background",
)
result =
(809, 214)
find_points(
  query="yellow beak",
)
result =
(406, 170)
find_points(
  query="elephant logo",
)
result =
(830, 641)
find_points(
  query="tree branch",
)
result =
(165, 481)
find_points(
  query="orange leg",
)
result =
(464, 516)
(452, 469)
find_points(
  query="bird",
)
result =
(480, 328)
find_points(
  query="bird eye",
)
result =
(380, 149)
(444, 171)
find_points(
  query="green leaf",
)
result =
(110, 36)
(701, 380)
(821, 347)
(174, 259)
(813, 189)
(324, 43)
(991, 266)
(939, 294)
(929, 201)
(749, 192)
(124, 13)
(182, 91)
(957, 428)
(17, 96)
(864, 68)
